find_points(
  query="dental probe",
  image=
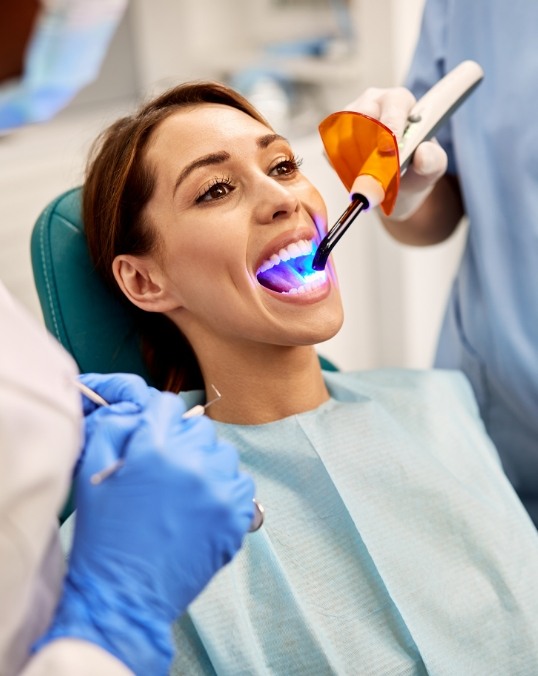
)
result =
(423, 121)
(199, 409)
(195, 411)
(90, 394)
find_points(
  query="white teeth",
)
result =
(295, 250)
(309, 286)
(301, 248)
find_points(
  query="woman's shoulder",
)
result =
(400, 377)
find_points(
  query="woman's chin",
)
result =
(319, 328)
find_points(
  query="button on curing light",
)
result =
(367, 157)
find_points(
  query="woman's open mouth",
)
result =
(289, 270)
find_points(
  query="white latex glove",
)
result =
(429, 163)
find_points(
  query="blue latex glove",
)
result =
(116, 388)
(127, 391)
(150, 537)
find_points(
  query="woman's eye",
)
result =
(286, 167)
(217, 191)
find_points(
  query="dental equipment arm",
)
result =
(375, 181)
(148, 539)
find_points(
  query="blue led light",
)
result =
(313, 276)
(302, 269)
(302, 265)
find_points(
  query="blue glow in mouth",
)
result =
(303, 267)
(291, 274)
(314, 276)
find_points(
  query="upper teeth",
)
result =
(301, 248)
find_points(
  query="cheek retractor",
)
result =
(367, 157)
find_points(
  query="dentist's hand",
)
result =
(150, 537)
(116, 388)
(127, 392)
(391, 107)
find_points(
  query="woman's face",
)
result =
(236, 223)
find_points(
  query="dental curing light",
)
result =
(367, 158)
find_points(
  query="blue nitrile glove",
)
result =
(116, 388)
(149, 537)
(127, 391)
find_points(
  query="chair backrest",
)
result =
(79, 310)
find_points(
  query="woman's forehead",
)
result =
(199, 127)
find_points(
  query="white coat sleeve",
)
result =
(40, 428)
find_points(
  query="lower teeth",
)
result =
(291, 277)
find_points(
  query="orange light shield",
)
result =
(357, 144)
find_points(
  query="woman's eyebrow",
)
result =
(266, 140)
(206, 160)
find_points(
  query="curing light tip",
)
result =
(358, 203)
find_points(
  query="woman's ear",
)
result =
(142, 282)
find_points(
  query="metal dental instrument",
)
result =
(376, 178)
(257, 519)
(199, 409)
(99, 477)
(90, 394)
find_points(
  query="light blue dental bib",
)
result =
(393, 544)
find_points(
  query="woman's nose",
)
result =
(274, 201)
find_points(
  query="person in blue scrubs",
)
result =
(490, 330)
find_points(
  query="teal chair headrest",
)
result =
(79, 310)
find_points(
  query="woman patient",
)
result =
(393, 544)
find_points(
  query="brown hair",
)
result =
(118, 185)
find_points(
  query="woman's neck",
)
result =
(265, 386)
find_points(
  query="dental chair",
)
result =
(94, 326)
(79, 310)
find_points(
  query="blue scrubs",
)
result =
(393, 543)
(490, 329)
